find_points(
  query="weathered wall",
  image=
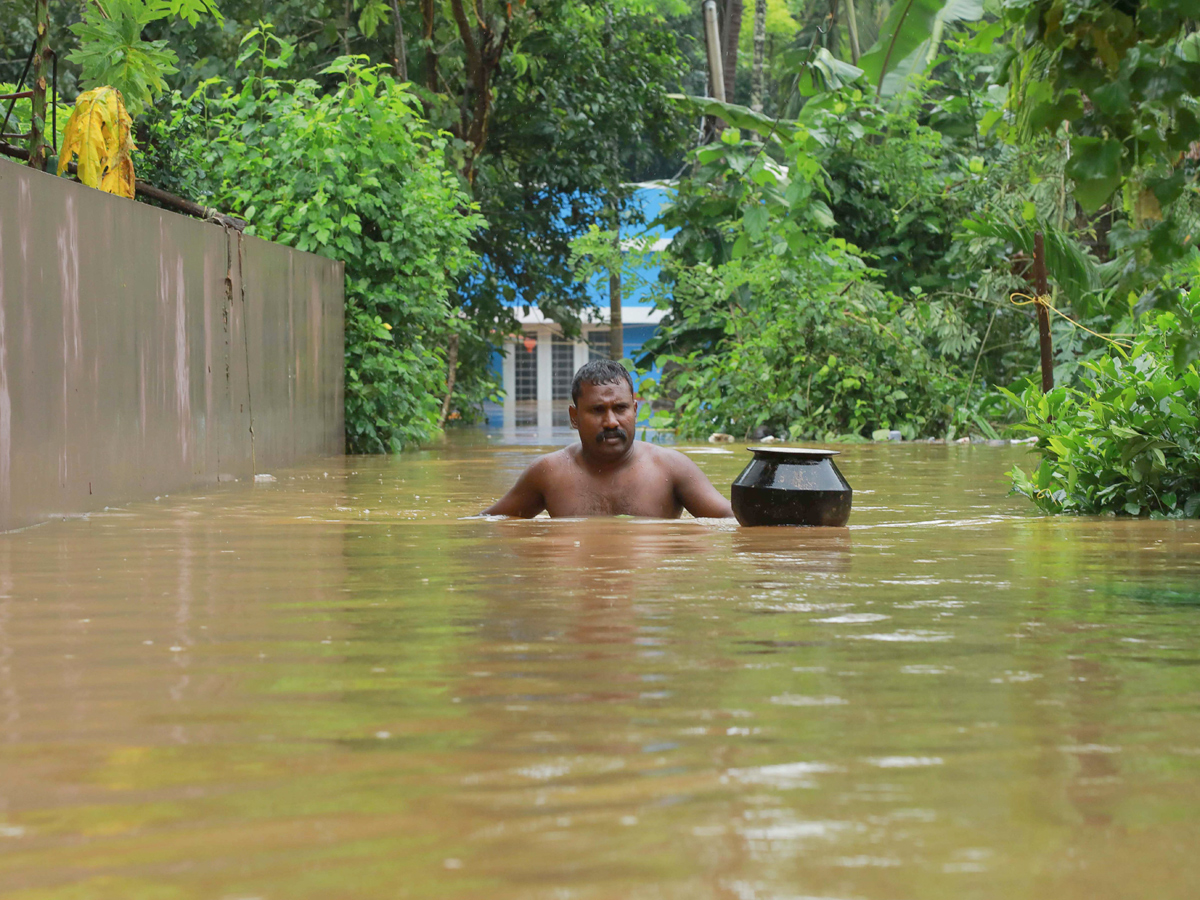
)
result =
(143, 352)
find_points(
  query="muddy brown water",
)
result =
(332, 686)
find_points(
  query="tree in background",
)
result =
(549, 107)
(1117, 83)
(580, 110)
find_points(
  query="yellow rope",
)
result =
(1043, 300)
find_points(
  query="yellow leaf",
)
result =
(1147, 207)
(98, 132)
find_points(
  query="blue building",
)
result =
(538, 363)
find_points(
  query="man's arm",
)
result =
(525, 499)
(695, 491)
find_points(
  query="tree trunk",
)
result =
(431, 78)
(1042, 286)
(616, 326)
(729, 34)
(483, 48)
(852, 24)
(38, 151)
(760, 40)
(346, 32)
(451, 374)
(716, 67)
(398, 42)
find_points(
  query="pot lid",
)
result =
(810, 452)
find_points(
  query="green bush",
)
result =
(1128, 442)
(803, 362)
(350, 172)
(773, 321)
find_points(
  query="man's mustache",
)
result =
(611, 432)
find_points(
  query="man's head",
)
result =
(603, 409)
(599, 371)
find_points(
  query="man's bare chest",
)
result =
(639, 491)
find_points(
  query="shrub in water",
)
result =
(803, 363)
(772, 322)
(1128, 441)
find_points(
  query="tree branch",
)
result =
(468, 38)
(431, 56)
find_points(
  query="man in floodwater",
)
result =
(609, 473)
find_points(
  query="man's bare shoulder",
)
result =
(553, 462)
(667, 457)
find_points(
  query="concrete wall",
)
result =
(143, 352)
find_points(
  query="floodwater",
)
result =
(332, 686)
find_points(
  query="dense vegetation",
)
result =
(776, 320)
(851, 225)
(1127, 440)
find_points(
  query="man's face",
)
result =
(606, 415)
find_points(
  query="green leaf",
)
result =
(1068, 264)
(1113, 98)
(822, 214)
(1095, 167)
(735, 115)
(188, 10)
(825, 72)
(909, 25)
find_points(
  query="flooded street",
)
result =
(333, 686)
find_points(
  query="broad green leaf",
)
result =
(737, 116)
(910, 24)
(756, 220)
(825, 72)
(1095, 167)
(822, 214)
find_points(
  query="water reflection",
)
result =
(814, 550)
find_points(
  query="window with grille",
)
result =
(562, 367)
(525, 368)
(598, 345)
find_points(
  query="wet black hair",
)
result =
(599, 371)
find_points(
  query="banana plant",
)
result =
(819, 72)
(909, 40)
(738, 116)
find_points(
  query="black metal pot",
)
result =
(791, 486)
